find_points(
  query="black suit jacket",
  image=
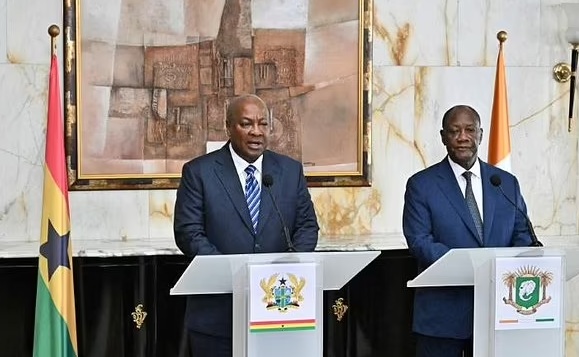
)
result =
(211, 217)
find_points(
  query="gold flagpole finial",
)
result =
(53, 31)
(502, 36)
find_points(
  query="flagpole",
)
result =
(499, 151)
(53, 31)
(502, 37)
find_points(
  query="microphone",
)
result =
(268, 182)
(496, 181)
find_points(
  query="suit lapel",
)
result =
(449, 186)
(490, 195)
(269, 167)
(227, 175)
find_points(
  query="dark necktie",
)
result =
(472, 206)
(252, 195)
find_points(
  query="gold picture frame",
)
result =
(146, 85)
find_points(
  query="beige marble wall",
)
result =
(428, 55)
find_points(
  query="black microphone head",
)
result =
(267, 180)
(496, 180)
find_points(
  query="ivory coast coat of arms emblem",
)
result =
(527, 289)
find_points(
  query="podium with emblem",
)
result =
(277, 297)
(519, 296)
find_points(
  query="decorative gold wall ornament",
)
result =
(339, 309)
(562, 72)
(139, 316)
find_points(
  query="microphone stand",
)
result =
(268, 182)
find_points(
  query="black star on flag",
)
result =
(55, 250)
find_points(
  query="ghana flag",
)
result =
(55, 324)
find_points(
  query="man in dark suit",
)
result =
(214, 216)
(445, 208)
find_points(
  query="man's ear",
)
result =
(226, 127)
(442, 137)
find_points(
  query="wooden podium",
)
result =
(215, 274)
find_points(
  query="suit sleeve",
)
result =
(189, 222)
(418, 226)
(305, 230)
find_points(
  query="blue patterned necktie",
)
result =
(252, 195)
(472, 206)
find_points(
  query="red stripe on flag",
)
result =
(55, 155)
(283, 322)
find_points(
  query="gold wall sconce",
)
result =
(564, 72)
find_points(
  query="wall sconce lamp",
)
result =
(562, 71)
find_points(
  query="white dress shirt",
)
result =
(241, 165)
(475, 180)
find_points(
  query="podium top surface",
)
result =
(457, 267)
(214, 274)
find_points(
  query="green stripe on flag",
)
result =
(51, 338)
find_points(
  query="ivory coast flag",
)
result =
(500, 138)
(55, 324)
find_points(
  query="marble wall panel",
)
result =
(22, 137)
(440, 88)
(544, 152)
(161, 209)
(554, 46)
(415, 33)
(109, 215)
(346, 210)
(393, 142)
(3, 32)
(27, 23)
(479, 22)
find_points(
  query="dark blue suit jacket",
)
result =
(211, 217)
(436, 219)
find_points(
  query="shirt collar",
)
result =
(459, 170)
(241, 164)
